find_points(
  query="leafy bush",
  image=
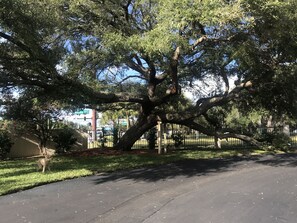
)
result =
(281, 141)
(64, 139)
(265, 137)
(275, 140)
(178, 139)
(151, 138)
(5, 144)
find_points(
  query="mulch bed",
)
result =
(109, 152)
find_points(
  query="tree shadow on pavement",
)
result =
(287, 160)
(197, 167)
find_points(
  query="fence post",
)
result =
(159, 135)
(286, 130)
(164, 130)
(217, 142)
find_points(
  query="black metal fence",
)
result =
(188, 139)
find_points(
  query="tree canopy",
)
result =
(147, 53)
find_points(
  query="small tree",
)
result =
(178, 139)
(64, 139)
(33, 117)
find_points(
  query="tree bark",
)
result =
(244, 138)
(143, 124)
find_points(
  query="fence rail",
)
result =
(189, 140)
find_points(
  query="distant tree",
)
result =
(64, 139)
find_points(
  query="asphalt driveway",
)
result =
(239, 190)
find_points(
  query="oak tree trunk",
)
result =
(143, 124)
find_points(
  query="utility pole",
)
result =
(94, 125)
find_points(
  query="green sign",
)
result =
(82, 112)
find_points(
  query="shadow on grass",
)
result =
(197, 167)
(19, 172)
(17, 168)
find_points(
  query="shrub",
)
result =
(265, 137)
(178, 139)
(5, 144)
(281, 141)
(151, 138)
(275, 140)
(64, 139)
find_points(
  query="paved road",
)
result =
(260, 190)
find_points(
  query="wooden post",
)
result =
(159, 135)
(286, 130)
(217, 142)
(165, 137)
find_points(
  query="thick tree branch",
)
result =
(152, 81)
(138, 60)
(198, 41)
(204, 104)
(226, 81)
(132, 76)
(126, 9)
(140, 69)
(88, 95)
(212, 132)
(242, 137)
(37, 54)
(174, 71)
(155, 80)
(161, 77)
(222, 135)
(17, 43)
(211, 121)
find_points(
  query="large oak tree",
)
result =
(146, 53)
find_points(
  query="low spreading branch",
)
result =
(219, 134)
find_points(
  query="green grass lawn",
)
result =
(18, 175)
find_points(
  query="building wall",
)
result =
(26, 146)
